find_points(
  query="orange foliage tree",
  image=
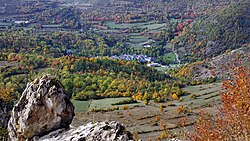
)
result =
(233, 122)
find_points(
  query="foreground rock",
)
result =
(44, 113)
(42, 108)
(101, 131)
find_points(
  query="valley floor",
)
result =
(147, 120)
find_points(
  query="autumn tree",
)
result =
(233, 122)
(6, 99)
(6, 94)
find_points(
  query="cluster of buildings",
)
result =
(139, 58)
(147, 44)
(8, 23)
(144, 59)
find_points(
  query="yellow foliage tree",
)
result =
(175, 96)
(155, 95)
(5, 94)
(145, 97)
(139, 96)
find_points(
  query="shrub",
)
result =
(125, 107)
(3, 134)
(129, 101)
(181, 99)
(175, 97)
(145, 102)
(157, 118)
(161, 107)
(171, 104)
(193, 96)
(181, 109)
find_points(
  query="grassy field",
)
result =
(143, 119)
(170, 56)
(109, 31)
(114, 25)
(81, 106)
(106, 103)
(153, 26)
(139, 37)
(84, 106)
(128, 25)
(134, 34)
(137, 40)
(51, 25)
(5, 24)
(203, 89)
(173, 20)
(205, 92)
(156, 30)
(150, 25)
(133, 38)
(162, 69)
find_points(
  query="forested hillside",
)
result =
(225, 28)
(79, 44)
(142, 52)
(86, 78)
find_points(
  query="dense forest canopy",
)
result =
(167, 57)
(78, 42)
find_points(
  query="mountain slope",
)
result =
(214, 32)
(217, 67)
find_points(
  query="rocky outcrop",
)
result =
(44, 113)
(101, 131)
(42, 108)
(218, 67)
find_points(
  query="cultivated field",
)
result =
(134, 37)
(81, 106)
(107, 103)
(146, 120)
(102, 104)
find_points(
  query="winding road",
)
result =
(176, 55)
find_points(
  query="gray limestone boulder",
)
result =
(43, 107)
(100, 131)
(44, 113)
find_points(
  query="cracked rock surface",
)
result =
(100, 131)
(44, 113)
(42, 108)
